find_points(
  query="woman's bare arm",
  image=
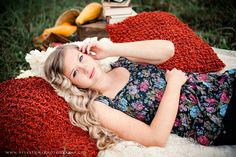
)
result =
(147, 51)
(132, 129)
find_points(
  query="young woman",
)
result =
(140, 102)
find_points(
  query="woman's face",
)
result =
(82, 70)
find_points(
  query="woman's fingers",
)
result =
(91, 47)
(88, 50)
(84, 48)
(94, 49)
(177, 76)
(87, 47)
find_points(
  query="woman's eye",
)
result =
(74, 73)
(81, 58)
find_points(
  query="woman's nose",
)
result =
(84, 68)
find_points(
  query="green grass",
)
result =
(23, 20)
(213, 20)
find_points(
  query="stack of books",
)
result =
(117, 10)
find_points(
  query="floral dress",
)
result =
(203, 100)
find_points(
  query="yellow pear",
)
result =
(90, 12)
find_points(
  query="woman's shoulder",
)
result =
(104, 100)
(123, 62)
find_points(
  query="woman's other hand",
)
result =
(175, 76)
(96, 49)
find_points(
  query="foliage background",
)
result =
(21, 20)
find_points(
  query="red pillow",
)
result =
(192, 54)
(34, 121)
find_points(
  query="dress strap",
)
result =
(105, 100)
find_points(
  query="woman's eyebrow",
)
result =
(72, 71)
(78, 56)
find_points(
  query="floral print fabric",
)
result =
(203, 102)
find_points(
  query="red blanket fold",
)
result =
(34, 119)
(192, 54)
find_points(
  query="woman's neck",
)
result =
(113, 81)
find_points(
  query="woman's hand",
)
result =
(175, 76)
(97, 50)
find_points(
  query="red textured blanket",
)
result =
(34, 120)
(192, 54)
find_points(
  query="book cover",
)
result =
(108, 3)
(108, 11)
(119, 18)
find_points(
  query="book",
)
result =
(119, 1)
(118, 18)
(117, 10)
(109, 11)
(109, 3)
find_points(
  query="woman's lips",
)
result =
(92, 73)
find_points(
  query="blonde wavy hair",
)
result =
(82, 113)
